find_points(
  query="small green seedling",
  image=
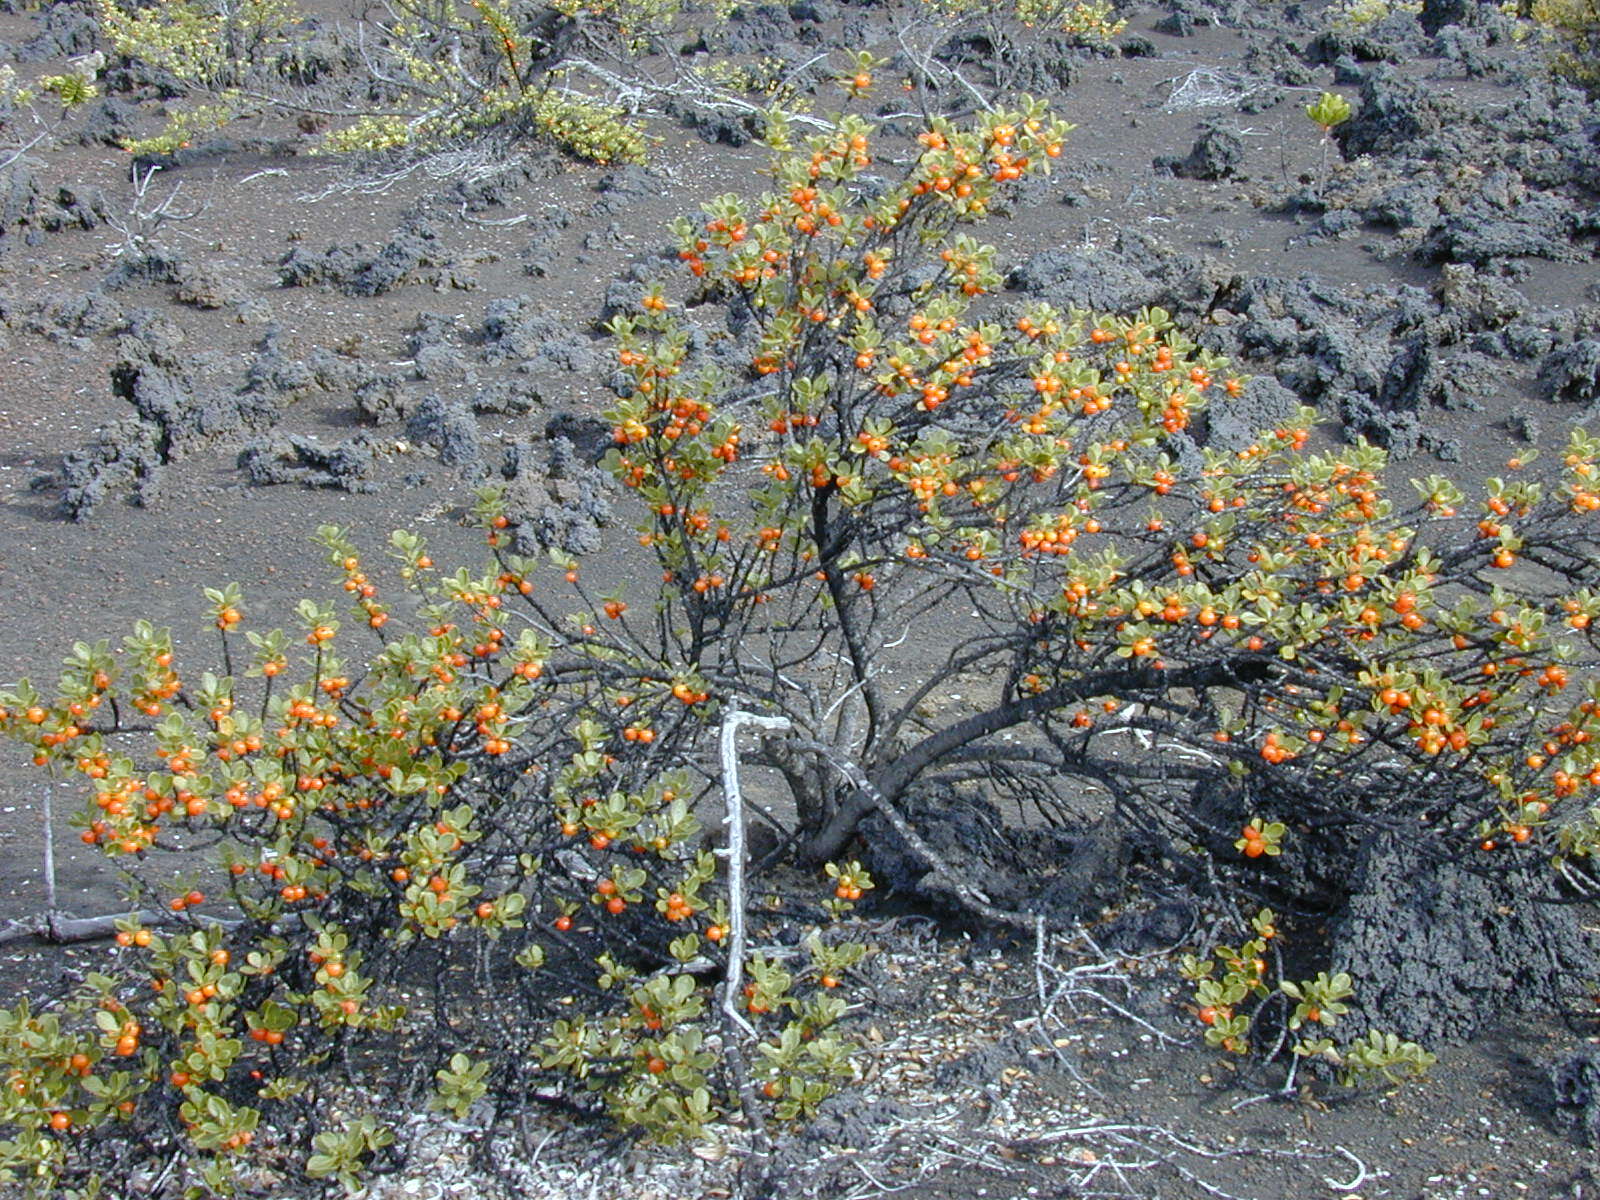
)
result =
(1329, 109)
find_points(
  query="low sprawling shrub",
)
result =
(1090, 20)
(1573, 26)
(838, 438)
(438, 72)
(449, 814)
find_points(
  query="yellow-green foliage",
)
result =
(1091, 20)
(213, 46)
(589, 128)
(71, 89)
(10, 94)
(351, 857)
(1357, 14)
(1574, 27)
(209, 44)
(632, 20)
(1233, 985)
(183, 127)
(493, 89)
(769, 77)
(586, 128)
(1328, 110)
(201, 42)
(368, 135)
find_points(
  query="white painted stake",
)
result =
(733, 818)
(51, 915)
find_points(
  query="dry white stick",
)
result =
(1039, 962)
(752, 1178)
(20, 151)
(1361, 1175)
(733, 804)
(172, 1164)
(50, 913)
(58, 930)
(636, 94)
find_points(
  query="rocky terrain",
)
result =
(209, 353)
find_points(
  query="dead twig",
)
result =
(64, 931)
(20, 151)
(138, 227)
(57, 930)
(753, 1173)
(1360, 1177)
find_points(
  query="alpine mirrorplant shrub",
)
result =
(504, 72)
(1247, 1003)
(873, 441)
(449, 814)
(211, 45)
(213, 49)
(1353, 15)
(886, 441)
(913, 443)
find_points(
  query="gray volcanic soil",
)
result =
(323, 345)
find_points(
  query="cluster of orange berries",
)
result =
(1291, 437)
(752, 1000)
(306, 712)
(964, 266)
(1050, 539)
(687, 695)
(136, 827)
(786, 421)
(926, 476)
(845, 148)
(163, 684)
(875, 444)
(127, 1044)
(606, 891)
(1273, 751)
(1584, 500)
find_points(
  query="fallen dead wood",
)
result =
(57, 930)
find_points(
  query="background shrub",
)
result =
(1574, 26)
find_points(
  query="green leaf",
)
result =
(1328, 110)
